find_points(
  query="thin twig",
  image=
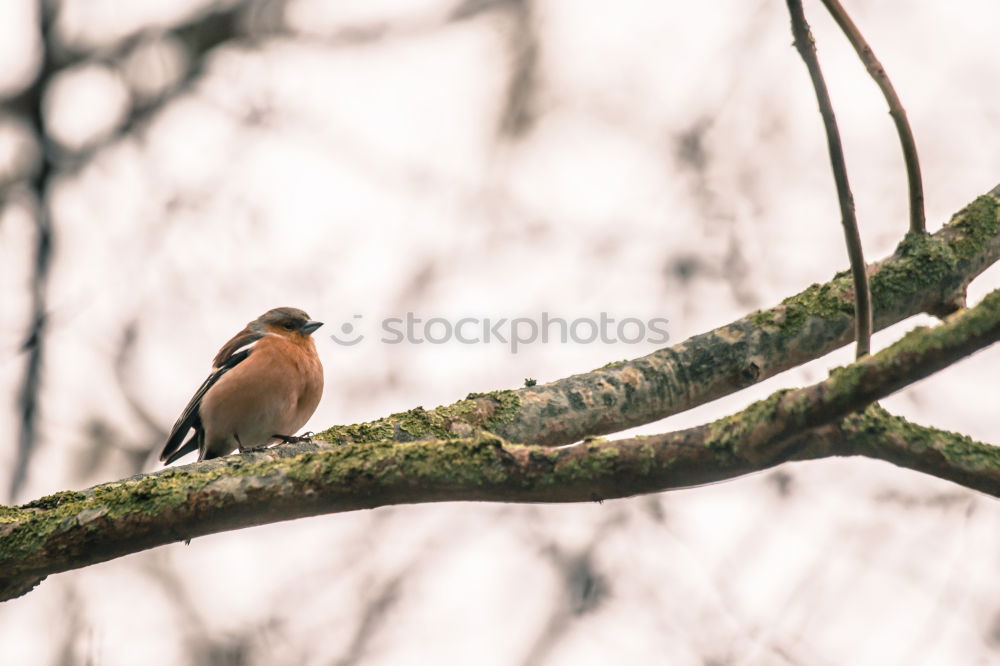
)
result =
(918, 224)
(862, 296)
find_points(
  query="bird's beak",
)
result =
(310, 326)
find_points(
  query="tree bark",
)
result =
(926, 274)
(458, 452)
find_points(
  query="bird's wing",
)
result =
(244, 340)
(232, 354)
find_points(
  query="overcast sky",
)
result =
(643, 159)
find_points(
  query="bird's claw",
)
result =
(292, 439)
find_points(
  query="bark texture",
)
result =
(74, 529)
(926, 274)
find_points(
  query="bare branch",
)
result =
(73, 529)
(918, 224)
(862, 295)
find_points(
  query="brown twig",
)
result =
(862, 296)
(918, 224)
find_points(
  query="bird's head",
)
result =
(286, 322)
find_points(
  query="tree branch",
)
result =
(918, 223)
(925, 274)
(862, 296)
(73, 529)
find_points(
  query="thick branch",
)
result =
(862, 295)
(925, 274)
(73, 529)
(877, 434)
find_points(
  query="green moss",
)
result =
(601, 458)
(529, 382)
(827, 301)
(963, 325)
(472, 460)
(601, 455)
(914, 245)
(508, 404)
(372, 431)
(650, 459)
(148, 495)
(979, 223)
(613, 365)
(537, 454)
(763, 319)
(918, 342)
(151, 494)
(844, 381)
(963, 451)
(727, 434)
(419, 423)
(27, 535)
(54, 500)
(10, 514)
(874, 425)
(799, 405)
(480, 459)
(923, 262)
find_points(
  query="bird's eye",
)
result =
(290, 325)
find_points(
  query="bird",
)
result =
(264, 385)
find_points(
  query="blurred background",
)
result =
(171, 169)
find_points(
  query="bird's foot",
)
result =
(248, 449)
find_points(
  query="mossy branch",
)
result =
(74, 529)
(925, 274)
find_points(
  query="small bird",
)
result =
(265, 384)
